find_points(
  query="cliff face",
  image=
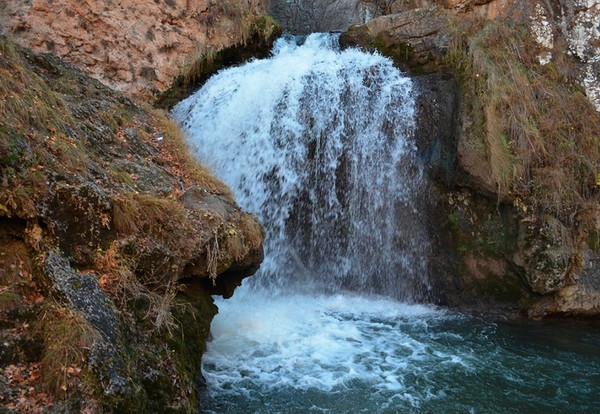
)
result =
(134, 47)
(112, 239)
(516, 193)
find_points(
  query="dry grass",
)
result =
(25, 100)
(18, 284)
(142, 212)
(162, 219)
(34, 122)
(540, 134)
(120, 281)
(68, 338)
(178, 159)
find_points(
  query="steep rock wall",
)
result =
(134, 47)
(112, 240)
(559, 26)
(515, 223)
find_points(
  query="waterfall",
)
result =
(317, 143)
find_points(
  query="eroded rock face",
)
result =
(437, 134)
(109, 226)
(308, 16)
(134, 47)
(422, 26)
(502, 251)
(543, 249)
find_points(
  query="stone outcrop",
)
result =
(112, 240)
(309, 16)
(412, 38)
(419, 29)
(502, 238)
(135, 47)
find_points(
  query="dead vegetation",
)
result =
(67, 338)
(156, 297)
(65, 137)
(540, 135)
(177, 157)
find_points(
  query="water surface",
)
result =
(318, 143)
(356, 354)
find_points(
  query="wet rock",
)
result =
(80, 218)
(92, 186)
(437, 124)
(82, 294)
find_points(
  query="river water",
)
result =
(318, 143)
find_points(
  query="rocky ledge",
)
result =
(509, 129)
(112, 239)
(134, 47)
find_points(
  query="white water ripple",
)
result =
(325, 343)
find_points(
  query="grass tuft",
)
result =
(540, 134)
(68, 338)
(157, 298)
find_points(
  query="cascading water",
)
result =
(316, 142)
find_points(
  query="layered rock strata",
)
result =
(134, 47)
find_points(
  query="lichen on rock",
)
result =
(107, 223)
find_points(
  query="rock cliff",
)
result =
(112, 239)
(516, 196)
(135, 47)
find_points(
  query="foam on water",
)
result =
(350, 354)
(323, 343)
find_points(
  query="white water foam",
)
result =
(316, 142)
(324, 343)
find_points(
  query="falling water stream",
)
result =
(317, 143)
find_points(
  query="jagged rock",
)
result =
(545, 253)
(233, 237)
(82, 294)
(134, 47)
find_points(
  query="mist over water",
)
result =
(317, 143)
